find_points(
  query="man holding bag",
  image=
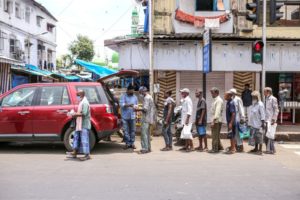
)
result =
(271, 106)
(186, 113)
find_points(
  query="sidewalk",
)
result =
(284, 132)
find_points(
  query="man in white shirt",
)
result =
(272, 111)
(186, 113)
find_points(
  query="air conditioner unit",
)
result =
(19, 54)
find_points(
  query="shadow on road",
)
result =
(57, 148)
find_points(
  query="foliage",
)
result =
(82, 48)
(115, 58)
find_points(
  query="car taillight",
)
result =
(108, 109)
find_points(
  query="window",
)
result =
(91, 94)
(12, 45)
(212, 5)
(8, 6)
(51, 96)
(17, 10)
(27, 14)
(291, 16)
(21, 97)
(50, 27)
(2, 37)
(39, 21)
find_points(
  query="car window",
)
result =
(21, 97)
(51, 96)
(91, 94)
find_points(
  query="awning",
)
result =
(26, 71)
(67, 77)
(97, 69)
(36, 69)
(11, 61)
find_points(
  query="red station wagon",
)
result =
(38, 112)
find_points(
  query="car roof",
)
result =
(60, 84)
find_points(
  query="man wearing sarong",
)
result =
(81, 142)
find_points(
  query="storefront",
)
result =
(286, 87)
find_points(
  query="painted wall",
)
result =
(227, 56)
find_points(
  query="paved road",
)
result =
(40, 171)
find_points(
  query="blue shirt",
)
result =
(128, 112)
(230, 110)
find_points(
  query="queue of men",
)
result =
(260, 118)
(239, 111)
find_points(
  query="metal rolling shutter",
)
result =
(167, 82)
(192, 81)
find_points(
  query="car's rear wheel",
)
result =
(69, 137)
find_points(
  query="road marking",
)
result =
(297, 152)
(290, 146)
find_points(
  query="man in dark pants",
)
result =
(247, 99)
(230, 118)
(167, 120)
(216, 124)
(201, 120)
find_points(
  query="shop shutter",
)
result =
(192, 81)
(215, 79)
(242, 78)
(167, 81)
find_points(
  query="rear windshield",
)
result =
(94, 94)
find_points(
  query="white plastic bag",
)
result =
(271, 130)
(186, 132)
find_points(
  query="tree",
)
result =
(115, 58)
(82, 48)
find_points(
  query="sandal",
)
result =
(85, 158)
(165, 149)
(183, 149)
(71, 155)
(253, 151)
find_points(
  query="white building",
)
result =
(27, 36)
(27, 33)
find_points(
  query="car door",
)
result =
(50, 113)
(16, 113)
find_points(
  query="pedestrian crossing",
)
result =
(294, 147)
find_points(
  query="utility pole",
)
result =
(151, 58)
(264, 39)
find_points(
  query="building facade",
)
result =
(178, 46)
(28, 33)
(27, 36)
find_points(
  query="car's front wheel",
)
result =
(69, 138)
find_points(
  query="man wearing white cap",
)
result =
(239, 118)
(186, 113)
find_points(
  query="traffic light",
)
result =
(254, 9)
(257, 52)
(275, 13)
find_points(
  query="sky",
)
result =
(97, 19)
